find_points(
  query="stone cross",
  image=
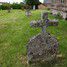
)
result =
(44, 17)
(44, 22)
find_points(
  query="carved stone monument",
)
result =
(42, 47)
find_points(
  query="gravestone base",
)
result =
(46, 64)
(42, 48)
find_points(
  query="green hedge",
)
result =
(14, 6)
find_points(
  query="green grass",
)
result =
(15, 32)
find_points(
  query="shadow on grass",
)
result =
(47, 64)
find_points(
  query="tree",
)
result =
(32, 2)
(5, 6)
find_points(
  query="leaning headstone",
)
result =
(42, 47)
(54, 11)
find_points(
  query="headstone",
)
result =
(42, 47)
(64, 15)
(28, 13)
(61, 8)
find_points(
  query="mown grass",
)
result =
(15, 32)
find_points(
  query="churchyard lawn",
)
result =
(15, 32)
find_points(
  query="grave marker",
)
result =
(42, 47)
(28, 12)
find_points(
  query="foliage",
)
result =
(5, 6)
(29, 4)
(14, 6)
(33, 2)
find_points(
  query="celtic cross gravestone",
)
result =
(42, 47)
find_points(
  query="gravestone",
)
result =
(60, 8)
(65, 15)
(54, 11)
(28, 12)
(42, 47)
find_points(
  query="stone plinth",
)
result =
(42, 48)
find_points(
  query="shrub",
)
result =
(14, 6)
(5, 6)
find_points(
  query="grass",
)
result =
(15, 32)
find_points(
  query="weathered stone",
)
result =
(64, 15)
(28, 13)
(53, 22)
(40, 23)
(54, 12)
(42, 48)
(60, 7)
